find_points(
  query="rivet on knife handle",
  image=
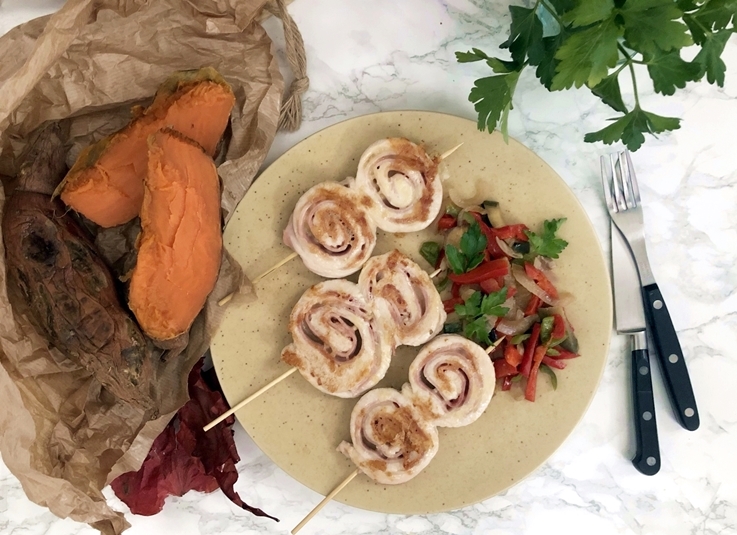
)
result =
(647, 457)
(672, 363)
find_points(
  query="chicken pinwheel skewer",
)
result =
(288, 233)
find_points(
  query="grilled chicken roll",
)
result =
(451, 381)
(331, 231)
(403, 291)
(404, 183)
(392, 443)
(340, 345)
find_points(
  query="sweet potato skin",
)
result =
(68, 293)
(180, 245)
(106, 182)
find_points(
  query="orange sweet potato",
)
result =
(181, 241)
(106, 182)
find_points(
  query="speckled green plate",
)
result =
(299, 427)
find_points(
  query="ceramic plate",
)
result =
(299, 427)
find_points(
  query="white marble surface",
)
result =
(389, 54)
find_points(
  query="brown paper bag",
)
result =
(61, 434)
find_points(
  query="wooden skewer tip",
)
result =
(435, 273)
(274, 267)
(450, 151)
(325, 501)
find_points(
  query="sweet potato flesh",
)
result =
(181, 241)
(106, 182)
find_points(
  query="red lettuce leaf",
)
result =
(183, 457)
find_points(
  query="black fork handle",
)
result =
(670, 356)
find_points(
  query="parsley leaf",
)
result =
(456, 260)
(544, 58)
(474, 55)
(651, 25)
(491, 96)
(709, 57)
(478, 331)
(525, 33)
(631, 127)
(473, 244)
(547, 243)
(668, 72)
(589, 12)
(609, 93)
(490, 304)
(586, 56)
(471, 307)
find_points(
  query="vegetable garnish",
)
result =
(590, 42)
(502, 296)
(471, 253)
(547, 243)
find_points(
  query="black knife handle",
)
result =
(647, 457)
(670, 356)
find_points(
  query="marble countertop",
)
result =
(389, 55)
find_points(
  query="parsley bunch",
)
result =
(590, 42)
(471, 253)
(547, 243)
(474, 313)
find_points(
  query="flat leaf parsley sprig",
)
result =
(590, 42)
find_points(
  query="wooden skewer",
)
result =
(249, 399)
(450, 151)
(493, 346)
(435, 273)
(325, 500)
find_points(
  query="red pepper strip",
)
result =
(487, 270)
(455, 290)
(541, 280)
(559, 364)
(450, 304)
(446, 222)
(512, 356)
(511, 290)
(490, 286)
(503, 368)
(511, 231)
(533, 305)
(531, 388)
(529, 350)
(507, 383)
(559, 327)
(564, 354)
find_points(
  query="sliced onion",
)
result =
(514, 312)
(466, 292)
(506, 249)
(521, 277)
(513, 328)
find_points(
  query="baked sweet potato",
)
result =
(56, 278)
(106, 182)
(180, 244)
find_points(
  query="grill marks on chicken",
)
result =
(451, 381)
(403, 291)
(391, 441)
(340, 345)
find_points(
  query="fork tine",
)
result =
(617, 187)
(606, 182)
(629, 200)
(633, 178)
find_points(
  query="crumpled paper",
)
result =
(61, 434)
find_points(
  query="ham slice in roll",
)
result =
(339, 344)
(404, 291)
(392, 443)
(451, 381)
(331, 231)
(404, 183)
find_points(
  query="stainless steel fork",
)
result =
(623, 202)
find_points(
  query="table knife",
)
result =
(630, 320)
